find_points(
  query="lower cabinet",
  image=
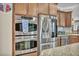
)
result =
(73, 39)
(62, 40)
(58, 41)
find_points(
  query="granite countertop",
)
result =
(73, 34)
(67, 50)
(69, 34)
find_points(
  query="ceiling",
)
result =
(67, 4)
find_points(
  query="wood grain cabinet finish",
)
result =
(20, 8)
(43, 8)
(33, 9)
(58, 20)
(52, 9)
(68, 19)
(58, 41)
(73, 39)
(64, 18)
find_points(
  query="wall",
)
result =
(6, 34)
(75, 14)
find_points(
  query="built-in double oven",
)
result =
(26, 34)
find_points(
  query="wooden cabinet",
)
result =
(64, 18)
(52, 9)
(73, 39)
(43, 8)
(68, 19)
(63, 40)
(58, 19)
(33, 9)
(20, 8)
(58, 41)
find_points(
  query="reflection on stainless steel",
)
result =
(48, 31)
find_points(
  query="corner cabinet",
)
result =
(20, 8)
(64, 18)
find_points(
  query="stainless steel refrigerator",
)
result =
(47, 30)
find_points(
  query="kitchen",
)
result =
(39, 26)
(68, 29)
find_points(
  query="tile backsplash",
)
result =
(64, 30)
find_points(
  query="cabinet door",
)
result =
(68, 19)
(58, 18)
(20, 8)
(43, 8)
(32, 9)
(73, 39)
(58, 41)
(64, 40)
(53, 9)
(62, 19)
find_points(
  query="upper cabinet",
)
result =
(33, 9)
(73, 39)
(43, 8)
(64, 18)
(68, 19)
(20, 8)
(52, 9)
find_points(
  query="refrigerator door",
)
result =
(53, 30)
(53, 27)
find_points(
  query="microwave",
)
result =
(31, 27)
(26, 25)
